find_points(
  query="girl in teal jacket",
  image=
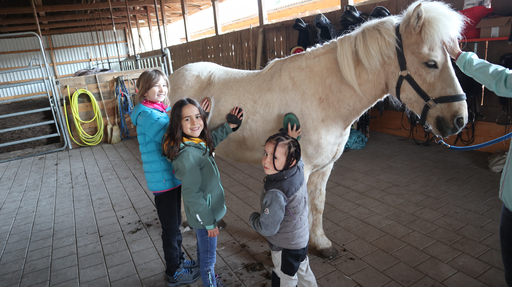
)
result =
(499, 80)
(150, 117)
(189, 145)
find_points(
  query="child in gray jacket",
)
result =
(284, 212)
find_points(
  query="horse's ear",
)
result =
(418, 17)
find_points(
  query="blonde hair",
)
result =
(147, 80)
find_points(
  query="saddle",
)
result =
(325, 29)
(352, 18)
(307, 34)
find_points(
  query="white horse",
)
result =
(328, 87)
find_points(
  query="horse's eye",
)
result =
(431, 64)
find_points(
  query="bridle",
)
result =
(404, 74)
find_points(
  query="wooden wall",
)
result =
(107, 85)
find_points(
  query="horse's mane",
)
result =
(375, 41)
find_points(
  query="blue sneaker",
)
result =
(183, 276)
(189, 264)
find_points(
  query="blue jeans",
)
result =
(168, 207)
(206, 252)
(506, 243)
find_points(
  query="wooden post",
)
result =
(164, 21)
(138, 31)
(216, 17)
(99, 47)
(344, 3)
(262, 13)
(150, 26)
(131, 33)
(115, 36)
(37, 20)
(53, 57)
(184, 12)
(104, 40)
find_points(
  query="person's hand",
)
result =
(237, 112)
(294, 132)
(205, 104)
(213, 232)
(453, 49)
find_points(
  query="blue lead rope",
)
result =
(473, 147)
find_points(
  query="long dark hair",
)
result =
(174, 136)
(292, 145)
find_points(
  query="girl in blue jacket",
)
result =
(499, 80)
(189, 144)
(150, 117)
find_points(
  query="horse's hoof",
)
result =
(328, 253)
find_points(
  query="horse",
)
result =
(330, 86)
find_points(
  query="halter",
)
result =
(404, 74)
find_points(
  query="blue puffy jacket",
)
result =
(151, 127)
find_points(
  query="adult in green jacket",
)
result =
(499, 80)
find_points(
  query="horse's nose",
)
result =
(459, 122)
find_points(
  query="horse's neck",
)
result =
(343, 99)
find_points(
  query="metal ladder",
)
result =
(52, 99)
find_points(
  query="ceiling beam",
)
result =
(76, 7)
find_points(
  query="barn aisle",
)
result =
(399, 214)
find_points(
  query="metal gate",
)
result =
(49, 92)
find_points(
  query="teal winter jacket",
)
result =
(202, 191)
(151, 127)
(499, 80)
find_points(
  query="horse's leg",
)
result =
(316, 199)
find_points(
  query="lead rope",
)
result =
(478, 146)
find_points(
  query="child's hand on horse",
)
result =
(205, 104)
(294, 132)
(235, 117)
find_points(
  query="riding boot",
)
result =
(350, 19)
(379, 12)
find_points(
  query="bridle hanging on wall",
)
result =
(404, 74)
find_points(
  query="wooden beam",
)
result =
(104, 40)
(150, 25)
(184, 12)
(68, 24)
(53, 57)
(164, 20)
(82, 16)
(216, 17)
(35, 17)
(138, 32)
(115, 36)
(262, 12)
(130, 25)
(77, 7)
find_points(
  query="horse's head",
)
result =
(427, 83)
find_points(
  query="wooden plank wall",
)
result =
(394, 123)
(107, 85)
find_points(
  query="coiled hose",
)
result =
(87, 139)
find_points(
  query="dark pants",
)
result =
(291, 268)
(168, 207)
(506, 243)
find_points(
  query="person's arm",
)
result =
(221, 133)
(187, 170)
(494, 77)
(273, 208)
